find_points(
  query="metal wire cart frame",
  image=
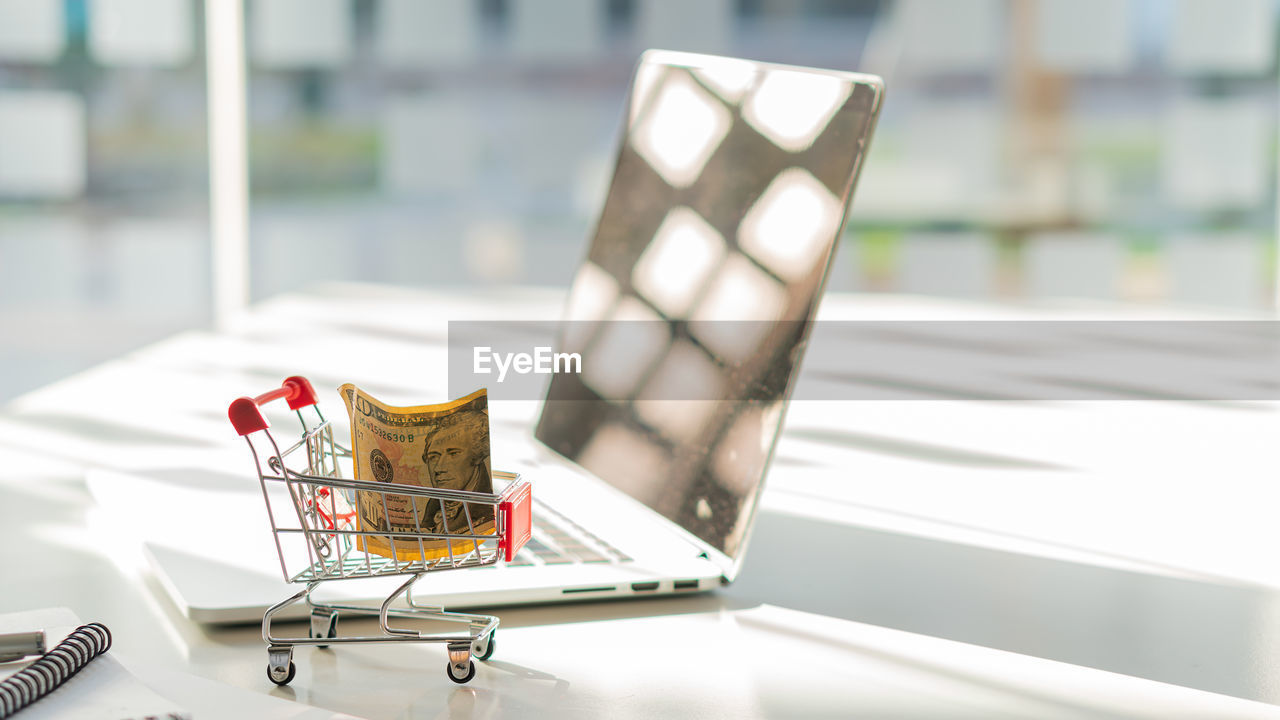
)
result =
(316, 534)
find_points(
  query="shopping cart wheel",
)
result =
(288, 677)
(455, 672)
(483, 648)
(324, 624)
(280, 667)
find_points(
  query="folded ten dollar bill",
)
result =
(441, 446)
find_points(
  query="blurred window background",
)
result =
(1030, 150)
(104, 239)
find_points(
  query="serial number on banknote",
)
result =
(384, 434)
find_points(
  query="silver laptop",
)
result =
(690, 312)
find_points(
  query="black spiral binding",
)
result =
(53, 668)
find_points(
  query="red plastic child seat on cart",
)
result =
(516, 507)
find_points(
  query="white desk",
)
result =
(1109, 552)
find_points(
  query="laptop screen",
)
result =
(690, 312)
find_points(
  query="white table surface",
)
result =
(911, 559)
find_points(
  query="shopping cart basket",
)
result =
(310, 509)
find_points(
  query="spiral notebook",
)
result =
(102, 689)
(109, 688)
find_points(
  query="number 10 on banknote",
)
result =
(444, 446)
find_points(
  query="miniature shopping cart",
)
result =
(319, 538)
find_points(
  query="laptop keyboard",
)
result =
(557, 540)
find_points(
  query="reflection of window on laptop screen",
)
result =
(730, 191)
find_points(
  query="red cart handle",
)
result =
(246, 417)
